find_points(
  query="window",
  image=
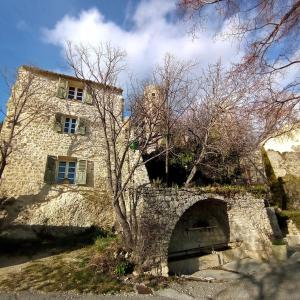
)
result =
(75, 93)
(63, 169)
(66, 172)
(70, 125)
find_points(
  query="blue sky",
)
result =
(34, 32)
(22, 23)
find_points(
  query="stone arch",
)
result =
(200, 227)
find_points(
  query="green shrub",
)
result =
(123, 268)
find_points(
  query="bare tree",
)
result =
(22, 110)
(124, 139)
(214, 121)
(231, 116)
(174, 89)
(269, 34)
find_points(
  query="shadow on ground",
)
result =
(18, 251)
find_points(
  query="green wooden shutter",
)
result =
(62, 88)
(50, 172)
(58, 123)
(81, 171)
(88, 98)
(81, 127)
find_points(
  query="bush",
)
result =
(123, 268)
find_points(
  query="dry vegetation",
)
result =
(100, 268)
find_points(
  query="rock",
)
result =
(143, 289)
(294, 258)
(213, 275)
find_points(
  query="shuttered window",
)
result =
(81, 172)
(67, 170)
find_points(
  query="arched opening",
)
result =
(202, 228)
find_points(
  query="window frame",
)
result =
(66, 171)
(71, 118)
(76, 93)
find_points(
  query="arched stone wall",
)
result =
(161, 209)
(203, 227)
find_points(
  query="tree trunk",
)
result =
(2, 167)
(197, 162)
(167, 161)
(191, 175)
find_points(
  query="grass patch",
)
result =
(101, 243)
(101, 268)
(73, 271)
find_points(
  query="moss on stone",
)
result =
(258, 190)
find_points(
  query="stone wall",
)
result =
(283, 157)
(36, 202)
(162, 209)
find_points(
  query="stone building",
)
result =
(56, 174)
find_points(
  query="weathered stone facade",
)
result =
(161, 211)
(40, 199)
(283, 157)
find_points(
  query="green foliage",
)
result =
(134, 145)
(183, 159)
(123, 268)
(278, 242)
(294, 215)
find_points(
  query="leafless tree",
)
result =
(174, 87)
(214, 121)
(269, 34)
(231, 116)
(125, 139)
(23, 109)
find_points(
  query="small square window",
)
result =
(75, 93)
(70, 125)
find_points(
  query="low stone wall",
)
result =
(161, 210)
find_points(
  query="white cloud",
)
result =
(154, 32)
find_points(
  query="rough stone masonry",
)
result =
(55, 178)
(161, 210)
